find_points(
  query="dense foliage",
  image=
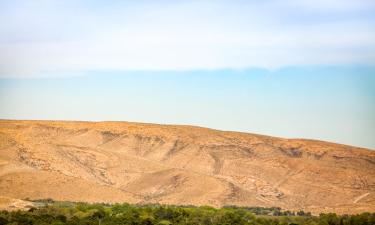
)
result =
(58, 213)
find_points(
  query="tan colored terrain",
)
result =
(11, 204)
(146, 163)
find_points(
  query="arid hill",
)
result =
(147, 163)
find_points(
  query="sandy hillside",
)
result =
(144, 163)
(11, 204)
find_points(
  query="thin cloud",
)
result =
(41, 37)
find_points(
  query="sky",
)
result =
(291, 68)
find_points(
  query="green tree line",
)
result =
(58, 213)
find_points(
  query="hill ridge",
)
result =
(178, 164)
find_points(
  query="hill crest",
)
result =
(177, 164)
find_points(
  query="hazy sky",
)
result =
(288, 68)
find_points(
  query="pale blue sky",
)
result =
(41, 37)
(287, 68)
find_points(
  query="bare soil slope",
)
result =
(147, 163)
